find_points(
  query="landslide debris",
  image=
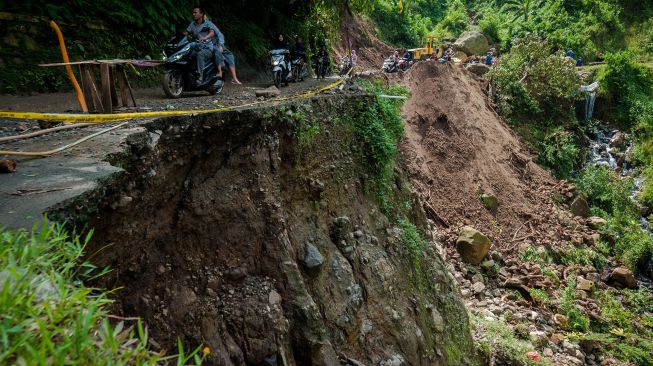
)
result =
(544, 280)
(253, 232)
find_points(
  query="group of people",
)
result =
(298, 52)
(211, 44)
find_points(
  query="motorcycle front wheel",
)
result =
(277, 79)
(172, 84)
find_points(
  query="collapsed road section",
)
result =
(258, 233)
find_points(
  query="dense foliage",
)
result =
(49, 317)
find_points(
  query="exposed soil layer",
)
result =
(213, 233)
(457, 148)
(360, 35)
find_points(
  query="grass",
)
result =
(497, 341)
(625, 329)
(49, 317)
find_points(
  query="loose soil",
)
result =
(456, 148)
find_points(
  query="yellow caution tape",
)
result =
(105, 118)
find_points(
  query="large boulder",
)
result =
(271, 92)
(472, 43)
(478, 69)
(595, 222)
(472, 245)
(579, 206)
(624, 276)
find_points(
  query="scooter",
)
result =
(299, 69)
(180, 69)
(404, 64)
(389, 65)
(279, 66)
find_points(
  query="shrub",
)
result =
(606, 190)
(558, 151)
(533, 80)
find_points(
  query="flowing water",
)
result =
(604, 152)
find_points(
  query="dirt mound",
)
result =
(457, 148)
(360, 35)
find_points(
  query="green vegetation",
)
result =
(380, 127)
(534, 88)
(49, 317)
(625, 329)
(497, 341)
(577, 320)
(609, 196)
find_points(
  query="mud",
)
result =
(209, 230)
(457, 148)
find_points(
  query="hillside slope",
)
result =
(457, 148)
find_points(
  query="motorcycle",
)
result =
(320, 67)
(389, 65)
(279, 67)
(404, 64)
(345, 65)
(180, 69)
(299, 69)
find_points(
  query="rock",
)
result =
(7, 165)
(585, 285)
(235, 274)
(618, 141)
(487, 265)
(489, 200)
(274, 298)
(271, 92)
(624, 276)
(472, 245)
(312, 257)
(478, 287)
(472, 43)
(595, 222)
(579, 206)
(557, 338)
(538, 338)
(548, 353)
(478, 69)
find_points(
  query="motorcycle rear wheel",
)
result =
(172, 84)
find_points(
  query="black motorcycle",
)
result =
(180, 66)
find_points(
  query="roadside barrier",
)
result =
(89, 119)
(106, 118)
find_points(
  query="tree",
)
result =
(522, 8)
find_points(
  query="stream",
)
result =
(609, 148)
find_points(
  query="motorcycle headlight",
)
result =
(179, 55)
(275, 62)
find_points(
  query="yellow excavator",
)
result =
(429, 44)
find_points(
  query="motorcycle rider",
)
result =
(324, 54)
(281, 44)
(300, 51)
(205, 33)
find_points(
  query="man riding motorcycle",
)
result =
(208, 37)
